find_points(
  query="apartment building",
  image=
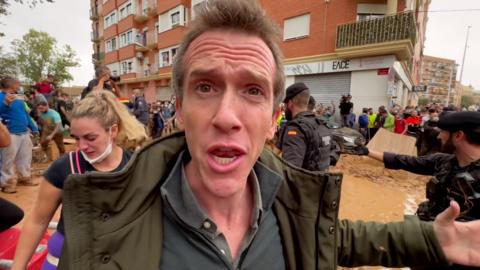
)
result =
(370, 49)
(439, 77)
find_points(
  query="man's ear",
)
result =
(178, 110)
(273, 127)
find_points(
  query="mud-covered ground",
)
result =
(369, 191)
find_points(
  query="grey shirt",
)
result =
(191, 234)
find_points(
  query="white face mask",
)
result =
(103, 155)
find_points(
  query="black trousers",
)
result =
(10, 214)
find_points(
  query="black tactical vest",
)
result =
(453, 183)
(318, 138)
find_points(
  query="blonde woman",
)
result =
(103, 130)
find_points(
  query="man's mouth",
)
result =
(225, 156)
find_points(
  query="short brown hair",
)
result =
(244, 15)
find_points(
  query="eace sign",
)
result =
(342, 65)
(420, 88)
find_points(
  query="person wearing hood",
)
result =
(100, 124)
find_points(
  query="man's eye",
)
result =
(254, 91)
(204, 88)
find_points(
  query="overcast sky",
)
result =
(68, 21)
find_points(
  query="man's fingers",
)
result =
(448, 215)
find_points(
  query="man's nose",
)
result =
(227, 115)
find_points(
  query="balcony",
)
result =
(94, 14)
(152, 38)
(141, 43)
(394, 34)
(152, 8)
(98, 57)
(95, 37)
(142, 15)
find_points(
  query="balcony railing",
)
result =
(152, 38)
(98, 57)
(94, 36)
(390, 28)
(93, 14)
(141, 42)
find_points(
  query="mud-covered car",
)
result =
(347, 138)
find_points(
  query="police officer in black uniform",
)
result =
(455, 171)
(306, 140)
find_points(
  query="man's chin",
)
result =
(225, 186)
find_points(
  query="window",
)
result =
(370, 11)
(171, 18)
(165, 59)
(125, 10)
(125, 39)
(127, 67)
(175, 18)
(111, 45)
(122, 13)
(167, 56)
(110, 19)
(196, 6)
(297, 27)
(114, 43)
(129, 37)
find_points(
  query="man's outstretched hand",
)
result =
(460, 241)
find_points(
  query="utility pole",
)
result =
(464, 53)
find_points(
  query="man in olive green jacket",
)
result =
(212, 198)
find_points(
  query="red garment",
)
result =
(399, 125)
(415, 121)
(44, 87)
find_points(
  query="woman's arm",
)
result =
(48, 200)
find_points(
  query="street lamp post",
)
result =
(464, 53)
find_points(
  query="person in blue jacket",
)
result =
(20, 126)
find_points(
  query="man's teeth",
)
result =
(224, 160)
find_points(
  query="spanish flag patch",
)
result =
(292, 133)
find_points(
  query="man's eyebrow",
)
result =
(203, 71)
(212, 71)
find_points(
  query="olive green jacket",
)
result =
(114, 221)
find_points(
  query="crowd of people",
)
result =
(211, 197)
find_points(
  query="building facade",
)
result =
(439, 77)
(370, 49)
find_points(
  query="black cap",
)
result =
(294, 90)
(455, 121)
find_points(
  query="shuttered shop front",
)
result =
(327, 87)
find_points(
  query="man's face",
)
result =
(14, 88)
(227, 109)
(42, 108)
(445, 138)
